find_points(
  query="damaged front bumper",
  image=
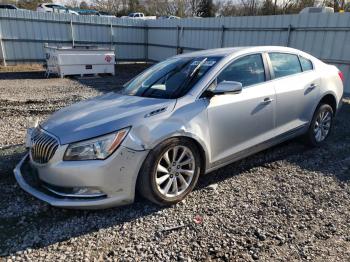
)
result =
(92, 184)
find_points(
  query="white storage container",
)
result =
(79, 60)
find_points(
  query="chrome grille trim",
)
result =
(43, 146)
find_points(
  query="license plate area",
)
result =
(30, 174)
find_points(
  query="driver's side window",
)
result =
(248, 70)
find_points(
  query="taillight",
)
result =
(341, 75)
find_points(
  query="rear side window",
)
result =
(284, 64)
(306, 64)
(248, 70)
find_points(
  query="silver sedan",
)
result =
(183, 117)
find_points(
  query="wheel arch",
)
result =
(145, 186)
(202, 152)
(330, 99)
(200, 146)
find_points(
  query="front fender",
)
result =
(186, 120)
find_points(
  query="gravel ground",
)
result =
(286, 203)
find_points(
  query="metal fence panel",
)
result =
(326, 36)
(23, 34)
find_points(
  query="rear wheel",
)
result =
(170, 171)
(321, 125)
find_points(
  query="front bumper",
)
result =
(115, 177)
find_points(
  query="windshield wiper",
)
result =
(198, 67)
(191, 77)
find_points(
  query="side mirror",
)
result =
(228, 87)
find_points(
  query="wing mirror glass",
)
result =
(228, 87)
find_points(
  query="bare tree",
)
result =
(250, 7)
(177, 7)
(116, 7)
(30, 5)
(73, 3)
(157, 8)
(268, 7)
(180, 8)
(228, 8)
(83, 5)
(8, 2)
(192, 7)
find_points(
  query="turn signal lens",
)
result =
(117, 140)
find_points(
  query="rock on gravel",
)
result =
(286, 203)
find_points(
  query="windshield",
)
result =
(171, 78)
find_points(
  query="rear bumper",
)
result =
(116, 178)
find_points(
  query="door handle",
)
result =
(267, 100)
(312, 86)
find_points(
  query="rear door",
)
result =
(297, 89)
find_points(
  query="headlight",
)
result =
(96, 148)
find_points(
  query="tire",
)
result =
(150, 184)
(317, 138)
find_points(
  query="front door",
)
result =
(240, 121)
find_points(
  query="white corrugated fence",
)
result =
(23, 33)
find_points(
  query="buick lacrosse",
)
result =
(182, 117)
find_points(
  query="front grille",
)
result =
(43, 146)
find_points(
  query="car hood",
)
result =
(101, 115)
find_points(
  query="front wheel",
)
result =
(170, 171)
(320, 126)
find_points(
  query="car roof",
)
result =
(232, 50)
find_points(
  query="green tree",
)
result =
(206, 8)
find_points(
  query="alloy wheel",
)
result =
(322, 125)
(175, 171)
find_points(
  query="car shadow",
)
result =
(22, 75)
(331, 160)
(9, 156)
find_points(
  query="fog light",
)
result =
(87, 192)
